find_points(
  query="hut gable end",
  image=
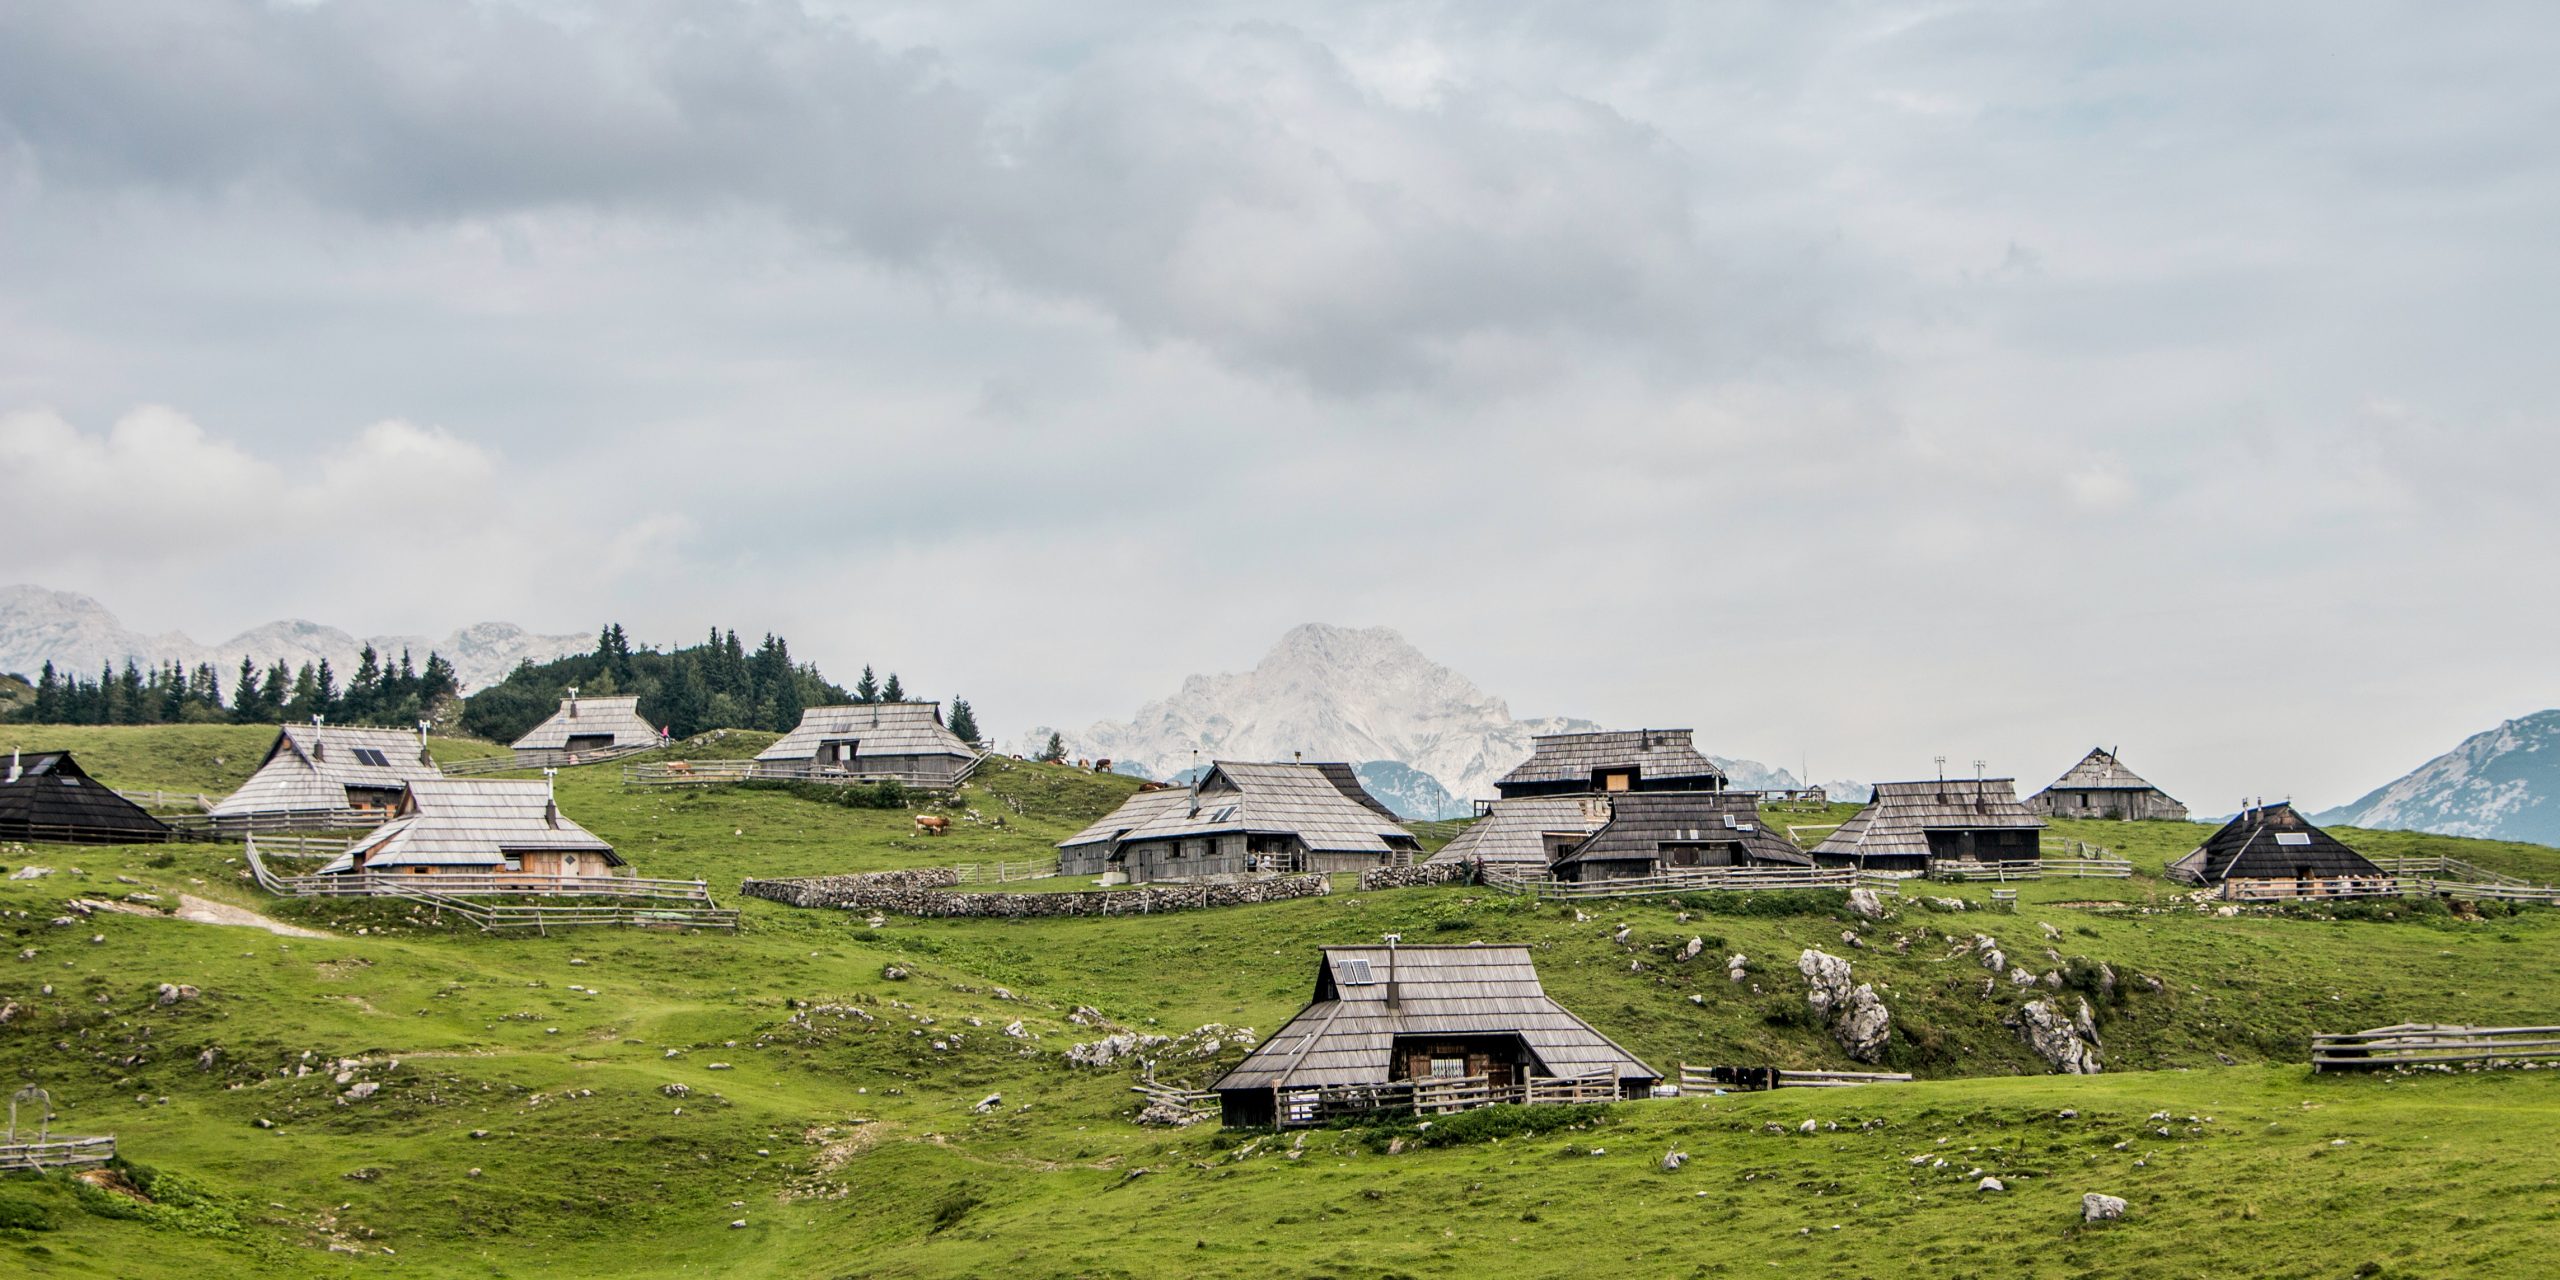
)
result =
(1613, 760)
(46, 795)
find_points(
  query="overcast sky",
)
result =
(1858, 382)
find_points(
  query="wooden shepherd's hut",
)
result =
(480, 827)
(1611, 762)
(1388, 1014)
(1241, 819)
(905, 741)
(1653, 833)
(2101, 787)
(1526, 836)
(1914, 826)
(319, 769)
(2271, 851)
(46, 796)
(587, 724)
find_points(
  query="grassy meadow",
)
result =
(612, 1102)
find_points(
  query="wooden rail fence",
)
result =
(704, 773)
(1704, 878)
(1695, 1079)
(545, 759)
(630, 900)
(1300, 1108)
(1004, 872)
(2423, 1044)
(155, 799)
(57, 1153)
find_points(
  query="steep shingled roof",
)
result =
(2100, 771)
(1275, 799)
(1641, 822)
(585, 717)
(880, 728)
(1573, 757)
(310, 768)
(1346, 1035)
(471, 822)
(46, 795)
(2271, 842)
(1900, 816)
(1514, 832)
(1133, 813)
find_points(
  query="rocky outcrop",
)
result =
(1854, 1012)
(2097, 1207)
(2067, 1044)
(1866, 904)
(927, 891)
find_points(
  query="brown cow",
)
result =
(931, 824)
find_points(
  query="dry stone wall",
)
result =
(1420, 873)
(929, 891)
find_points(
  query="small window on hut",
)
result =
(2293, 837)
(1355, 973)
(1448, 1068)
(1613, 782)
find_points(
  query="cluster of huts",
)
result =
(1646, 804)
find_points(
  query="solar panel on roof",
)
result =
(2293, 837)
(1355, 973)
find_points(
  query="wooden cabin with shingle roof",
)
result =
(1384, 1014)
(318, 769)
(479, 827)
(905, 741)
(2271, 851)
(1526, 835)
(2101, 787)
(1611, 762)
(1245, 819)
(46, 796)
(587, 724)
(1652, 833)
(1090, 852)
(1914, 826)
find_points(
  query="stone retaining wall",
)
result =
(1421, 873)
(928, 891)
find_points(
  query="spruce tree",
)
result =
(1056, 751)
(48, 708)
(964, 722)
(866, 689)
(893, 691)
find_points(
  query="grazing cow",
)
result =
(1102, 766)
(931, 824)
(680, 766)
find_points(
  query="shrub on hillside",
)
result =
(24, 1215)
(1467, 1128)
(884, 794)
(1766, 905)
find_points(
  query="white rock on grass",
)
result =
(1991, 1184)
(1865, 903)
(2096, 1207)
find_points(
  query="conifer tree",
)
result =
(964, 722)
(893, 691)
(866, 689)
(1056, 751)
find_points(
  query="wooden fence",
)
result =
(704, 773)
(1002, 872)
(543, 759)
(633, 899)
(1697, 1079)
(1442, 1095)
(1703, 878)
(47, 833)
(195, 800)
(57, 1153)
(2421, 1044)
(206, 827)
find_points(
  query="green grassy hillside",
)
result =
(211, 759)
(834, 1109)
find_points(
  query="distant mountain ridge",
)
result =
(78, 634)
(1426, 740)
(2501, 784)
